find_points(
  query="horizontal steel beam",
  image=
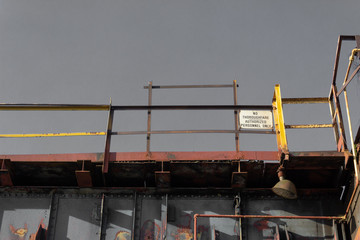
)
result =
(191, 131)
(53, 107)
(32, 135)
(77, 107)
(193, 86)
(195, 107)
(144, 156)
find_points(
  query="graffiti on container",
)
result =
(122, 235)
(184, 232)
(20, 233)
(261, 225)
(150, 230)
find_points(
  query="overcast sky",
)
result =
(86, 51)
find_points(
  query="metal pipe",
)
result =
(105, 167)
(53, 107)
(192, 86)
(349, 80)
(149, 119)
(192, 107)
(351, 59)
(192, 131)
(77, 107)
(260, 216)
(31, 135)
(34, 135)
(310, 126)
(236, 114)
(305, 100)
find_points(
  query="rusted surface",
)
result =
(316, 160)
(5, 173)
(239, 179)
(83, 178)
(163, 179)
(142, 156)
(5, 178)
(187, 169)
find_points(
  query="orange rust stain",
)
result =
(150, 230)
(122, 235)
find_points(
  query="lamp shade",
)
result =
(285, 188)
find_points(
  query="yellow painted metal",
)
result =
(305, 100)
(33, 135)
(279, 120)
(310, 126)
(52, 107)
(351, 59)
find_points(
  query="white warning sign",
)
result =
(254, 119)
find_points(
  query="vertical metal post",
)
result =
(164, 212)
(353, 147)
(339, 116)
(103, 213)
(149, 119)
(236, 117)
(108, 140)
(333, 118)
(133, 218)
(238, 212)
(279, 120)
(54, 202)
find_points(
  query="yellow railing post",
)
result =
(279, 121)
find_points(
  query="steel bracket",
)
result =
(5, 173)
(83, 176)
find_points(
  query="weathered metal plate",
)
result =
(21, 215)
(297, 228)
(119, 212)
(78, 217)
(182, 210)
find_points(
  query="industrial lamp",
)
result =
(284, 188)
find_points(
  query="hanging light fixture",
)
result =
(284, 188)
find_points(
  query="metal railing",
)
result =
(149, 108)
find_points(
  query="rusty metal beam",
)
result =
(236, 117)
(338, 50)
(192, 131)
(142, 156)
(348, 81)
(339, 116)
(149, 119)
(5, 173)
(193, 107)
(79, 107)
(108, 141)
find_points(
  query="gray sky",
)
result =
(86, 51)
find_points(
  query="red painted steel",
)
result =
(143, 156)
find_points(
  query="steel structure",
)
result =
(187, 195)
